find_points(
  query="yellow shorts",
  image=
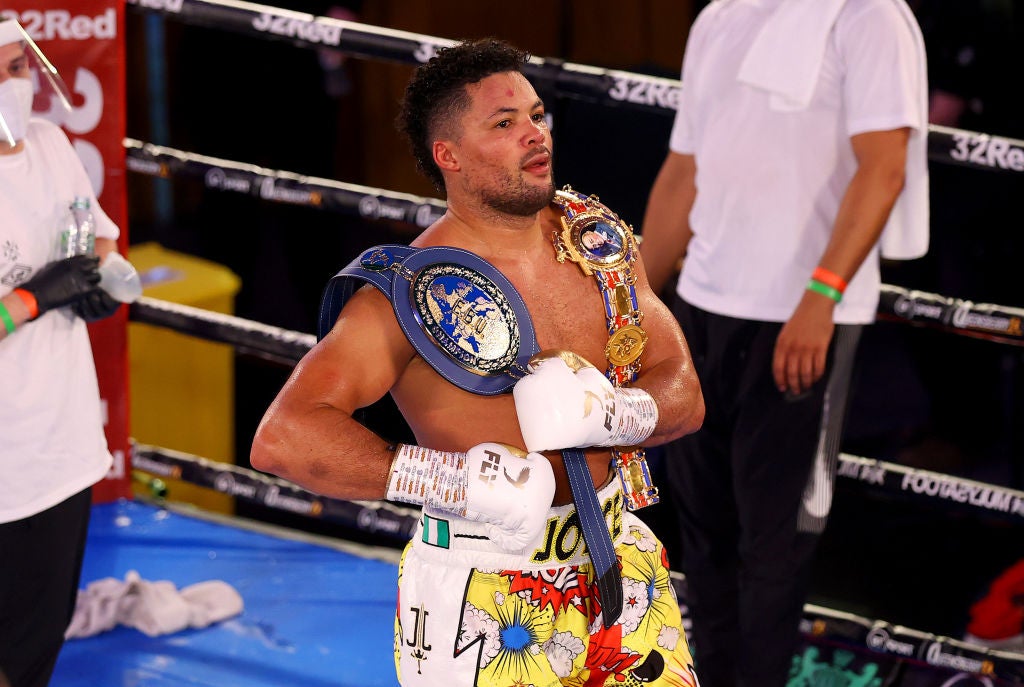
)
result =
(463, 621)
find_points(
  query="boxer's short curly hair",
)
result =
(436, 95)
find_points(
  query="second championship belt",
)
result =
(603, 246)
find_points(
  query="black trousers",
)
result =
(40, 564)
(737, 486)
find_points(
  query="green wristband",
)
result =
(825, 290)
(5, 315)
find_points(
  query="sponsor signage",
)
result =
(976, 319)
(983, 150)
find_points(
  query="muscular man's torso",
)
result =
(567, 313)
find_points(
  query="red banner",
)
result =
(84, 39)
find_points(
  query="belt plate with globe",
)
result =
(459, 312)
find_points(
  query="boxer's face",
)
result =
(503, 147)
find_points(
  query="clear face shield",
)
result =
(25, 74)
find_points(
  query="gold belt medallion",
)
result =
(625, 345)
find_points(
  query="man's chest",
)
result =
(568, 312)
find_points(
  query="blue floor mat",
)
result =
(314, 616)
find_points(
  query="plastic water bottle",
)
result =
(119, 278)
(77, 230)
(78, 237)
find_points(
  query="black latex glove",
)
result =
(63, 282)
(96, 305)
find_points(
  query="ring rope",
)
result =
(990, 499)
(250, 337)
(1000, 323)
(284, 346)
(282, 187)
(397, 525)
(567, 79)
(1004, 324)
(907, 644)
(392, 522)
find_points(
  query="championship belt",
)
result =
(458, 311)
(468, 322)
(603, 246)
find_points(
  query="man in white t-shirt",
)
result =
(53, 447)
(800, 136)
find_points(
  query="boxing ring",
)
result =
(317, 612)
(320, 610)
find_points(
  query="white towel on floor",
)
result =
(154, 608)
(785, 59)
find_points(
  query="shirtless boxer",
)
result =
(496, 586)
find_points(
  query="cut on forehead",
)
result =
(503, 86)
(449, 110)
(500, 93)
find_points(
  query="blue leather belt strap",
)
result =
(595, 535)
(470, 324)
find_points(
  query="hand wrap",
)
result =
(490, 483)
(565, 402)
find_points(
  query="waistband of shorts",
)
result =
(444, 538)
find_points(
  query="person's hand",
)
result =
(494, 484)
(565, 402)
(63, 282)
(509, 492)
(801, 349)
(95, 305)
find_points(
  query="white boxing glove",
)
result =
(491, 483)
(565, 402)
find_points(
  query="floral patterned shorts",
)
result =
(466, 618)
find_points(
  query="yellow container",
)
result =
(182, 388)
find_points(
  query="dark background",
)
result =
(923, 398)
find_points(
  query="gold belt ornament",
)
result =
(603, 246)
